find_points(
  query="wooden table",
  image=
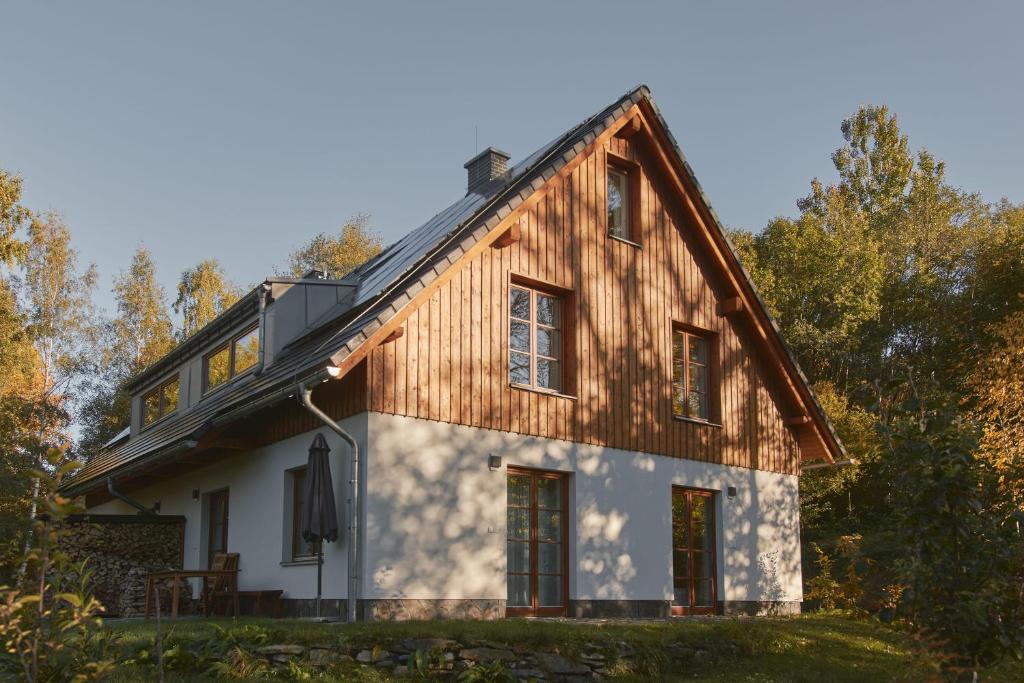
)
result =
(176, 576)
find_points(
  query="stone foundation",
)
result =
(404, 609)
(628, 609)
(758, 608)
(120, 550)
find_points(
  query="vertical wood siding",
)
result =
(451, 364)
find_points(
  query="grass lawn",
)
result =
(806, 648)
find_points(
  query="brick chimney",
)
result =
(486, 166)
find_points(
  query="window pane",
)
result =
(702, 526)
(519, 368)
(549, 591)
(549, 560)
(519, 336)
(683, 595)
(217, 368)
(549, 493)
(151, 407)
(702, 565)
(678, 373)
(548, 374)
(170, 392)
(519, 303)
(518, 557)
(247, 351)
(518, 590)
(549, 526)
(548, 342)
(617, 203)
(547, 310)
(698, 350)
(518, 523)
(702, 593)
(680, 566)
(518, 490)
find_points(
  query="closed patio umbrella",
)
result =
(319, 520)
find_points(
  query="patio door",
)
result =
(217, 540)
(537, 543)
(693, 551)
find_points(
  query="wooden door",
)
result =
(537, 543)
(217, 541)
(694, 556)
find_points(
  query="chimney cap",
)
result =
(490, 151)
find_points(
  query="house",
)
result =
(567, 399)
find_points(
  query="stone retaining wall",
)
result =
(120, 550)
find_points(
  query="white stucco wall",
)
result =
(435, 517)
(258, 523)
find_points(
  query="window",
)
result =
(160, 401)
(217, 528)
(537, 530)
(622, 198)
(535, 339)
(693, 551)
(691, 375)
(301, 548)
(618, 203)
(232, 358)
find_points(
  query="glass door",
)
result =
(217, 542)
(693, 551)
(536, 543)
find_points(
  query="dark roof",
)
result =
(384, 284)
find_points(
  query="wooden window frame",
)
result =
(566, 328)
(298, 476)
(161, 410)
(712, 500)
(712, 364)
(535, 610)
(631, 170)
(230, 345)
(224, 526)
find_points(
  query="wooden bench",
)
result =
(262, 598)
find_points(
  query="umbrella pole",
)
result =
(319, 576)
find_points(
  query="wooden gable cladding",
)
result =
(452, 362)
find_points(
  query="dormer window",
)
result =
(159, 402)
(231, 358)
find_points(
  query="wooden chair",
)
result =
(220, 585)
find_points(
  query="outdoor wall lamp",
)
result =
(494, 462)
(195, 494)
(731, 492)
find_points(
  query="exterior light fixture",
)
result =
(494, 462)
(334, 371)
(195, 494)
(731, 492)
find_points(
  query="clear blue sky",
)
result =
(239, 129)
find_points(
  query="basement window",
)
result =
(160, 402)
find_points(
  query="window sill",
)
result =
(696, 421)
(625, 241)
(543, 392)
(154, 423)
(304, 562)
(228, 382)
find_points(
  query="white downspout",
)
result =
(306, 396)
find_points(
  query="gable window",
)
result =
(301, 548)
(621, 198)
(161, 401)
(692, 353)
(232, 358)
(535, 339)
